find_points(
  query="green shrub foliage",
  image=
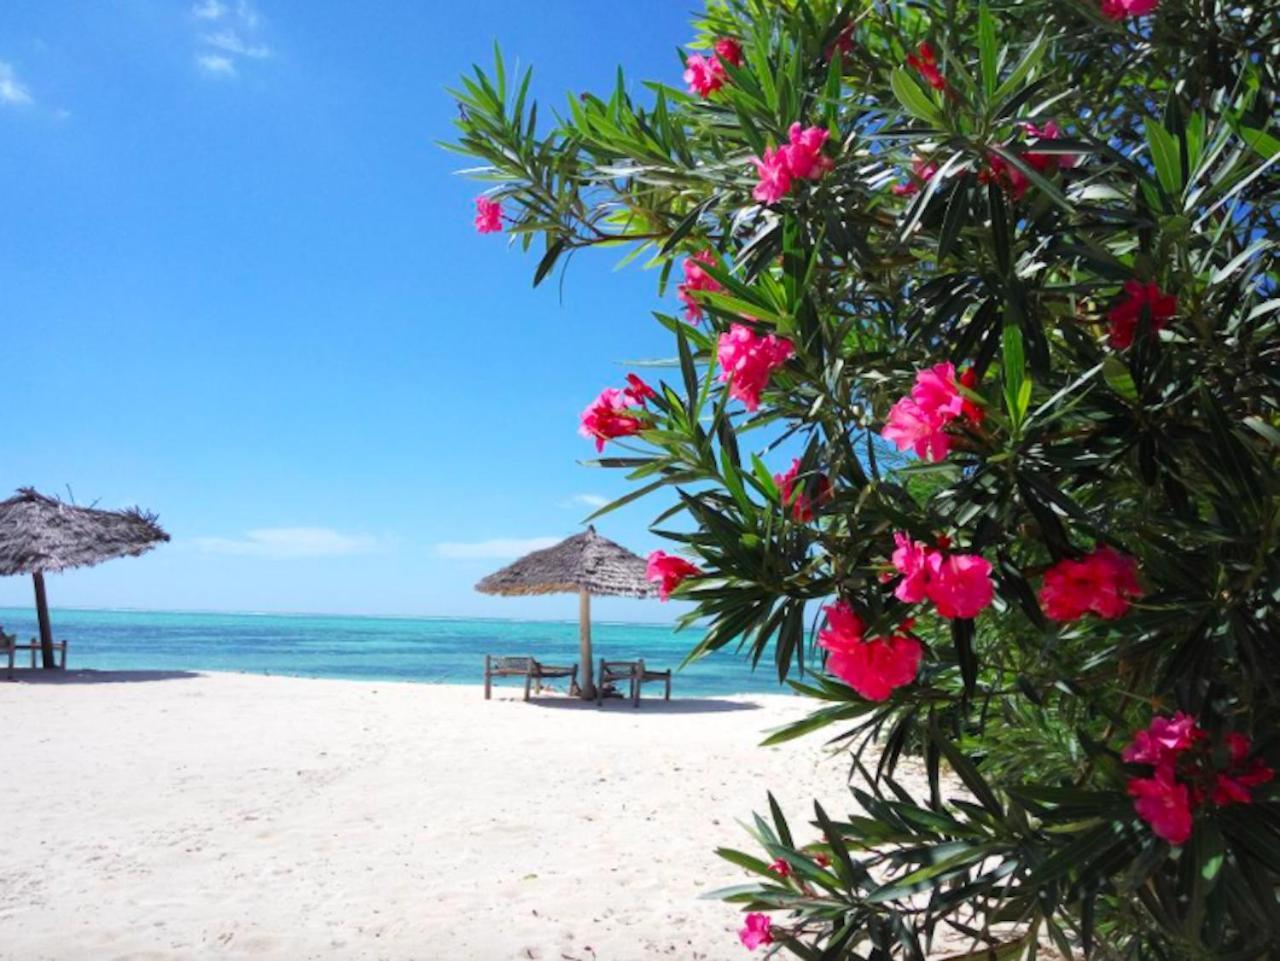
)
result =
(1076, 207)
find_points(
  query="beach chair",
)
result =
(9, 648)
(534, 673)
(635, 674)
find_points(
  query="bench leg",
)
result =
(528, 679)
(600, 686)
(667, 696)
(488, 679)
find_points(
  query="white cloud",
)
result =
(216, 63)
(233, 43)
(209, 10)
(290, 542)
(594, 501)
(229, 36)
(498, 549)
(11, 89)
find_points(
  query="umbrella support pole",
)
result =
(587, 671)
(42, 614)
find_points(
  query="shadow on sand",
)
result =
(26, 675)
(622, 705)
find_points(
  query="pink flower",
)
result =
(1119, 9)
(921, 173)
(1125, 315)
(792, 494)
(1164, 803)
(969, 381)
(1005, 175)
(775, 178)
(1163, 740)
(872, 667)
(1236, 784)
(747, 360)
(756, 932)
(959, 584)
(925, 64)
(695, 278)
(911, 558)
(704, 75)
(803, 152)
(729, 50)
(488, 216)
(617, 413)
(918, 421)
(1103, 582)
(781, 868)
(1043, 161)
(668, 571)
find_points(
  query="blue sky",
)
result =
(242, 288)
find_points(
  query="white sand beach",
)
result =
(151, 817)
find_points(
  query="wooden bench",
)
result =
(533, 672)
(10, 646)
(635, 674)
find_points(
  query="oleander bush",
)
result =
(971, 428)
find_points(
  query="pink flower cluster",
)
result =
(706, 75)
(488, 216)
(921, 173)
(668, 571)
(756, 932)
(1185, 775)
(873, 667)
(918, 421)
(748, 360)
(1014, 180)
(793, 494)
(842, 44)
(695, 279)
(925, 63)
(958, 584)
(1102, 582)
(1119, 9)
(801, 158)
(1124, 316)
(617, 413)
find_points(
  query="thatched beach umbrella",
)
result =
(41, 534)
(583, 564)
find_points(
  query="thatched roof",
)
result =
(583, 561)
(39, 534)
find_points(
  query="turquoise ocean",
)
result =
(438, 650)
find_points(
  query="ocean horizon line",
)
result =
(21, 608)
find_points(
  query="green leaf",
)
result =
(987, 52)
(913, 98)
(1166, 155)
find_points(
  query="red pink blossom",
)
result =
(918, 421)
(1119, 9)
(925, 63)
(921, 173)
(756, 932)
(793, 494)
(706, 74)
(959, 585)
(1124, 316)
(488, 216)
(1163, 740)
(781, 867)
(873, 667)
(668, 572)
(1163, 803)
(748, 360)
(801, 158)
(842, 44)
(1102, 582)
(695, 279)
(1236, 784)
(1043, 162)
(617, 413)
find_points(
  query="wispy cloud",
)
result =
(594, 501)
(216, 63)
(498, 549)
(12, 90)
(290, 542)
(229, 35)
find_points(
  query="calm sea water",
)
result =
(440, 650)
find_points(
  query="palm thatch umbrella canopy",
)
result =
(40, 534)
(583, 564)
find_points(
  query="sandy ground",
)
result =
(156, 816)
